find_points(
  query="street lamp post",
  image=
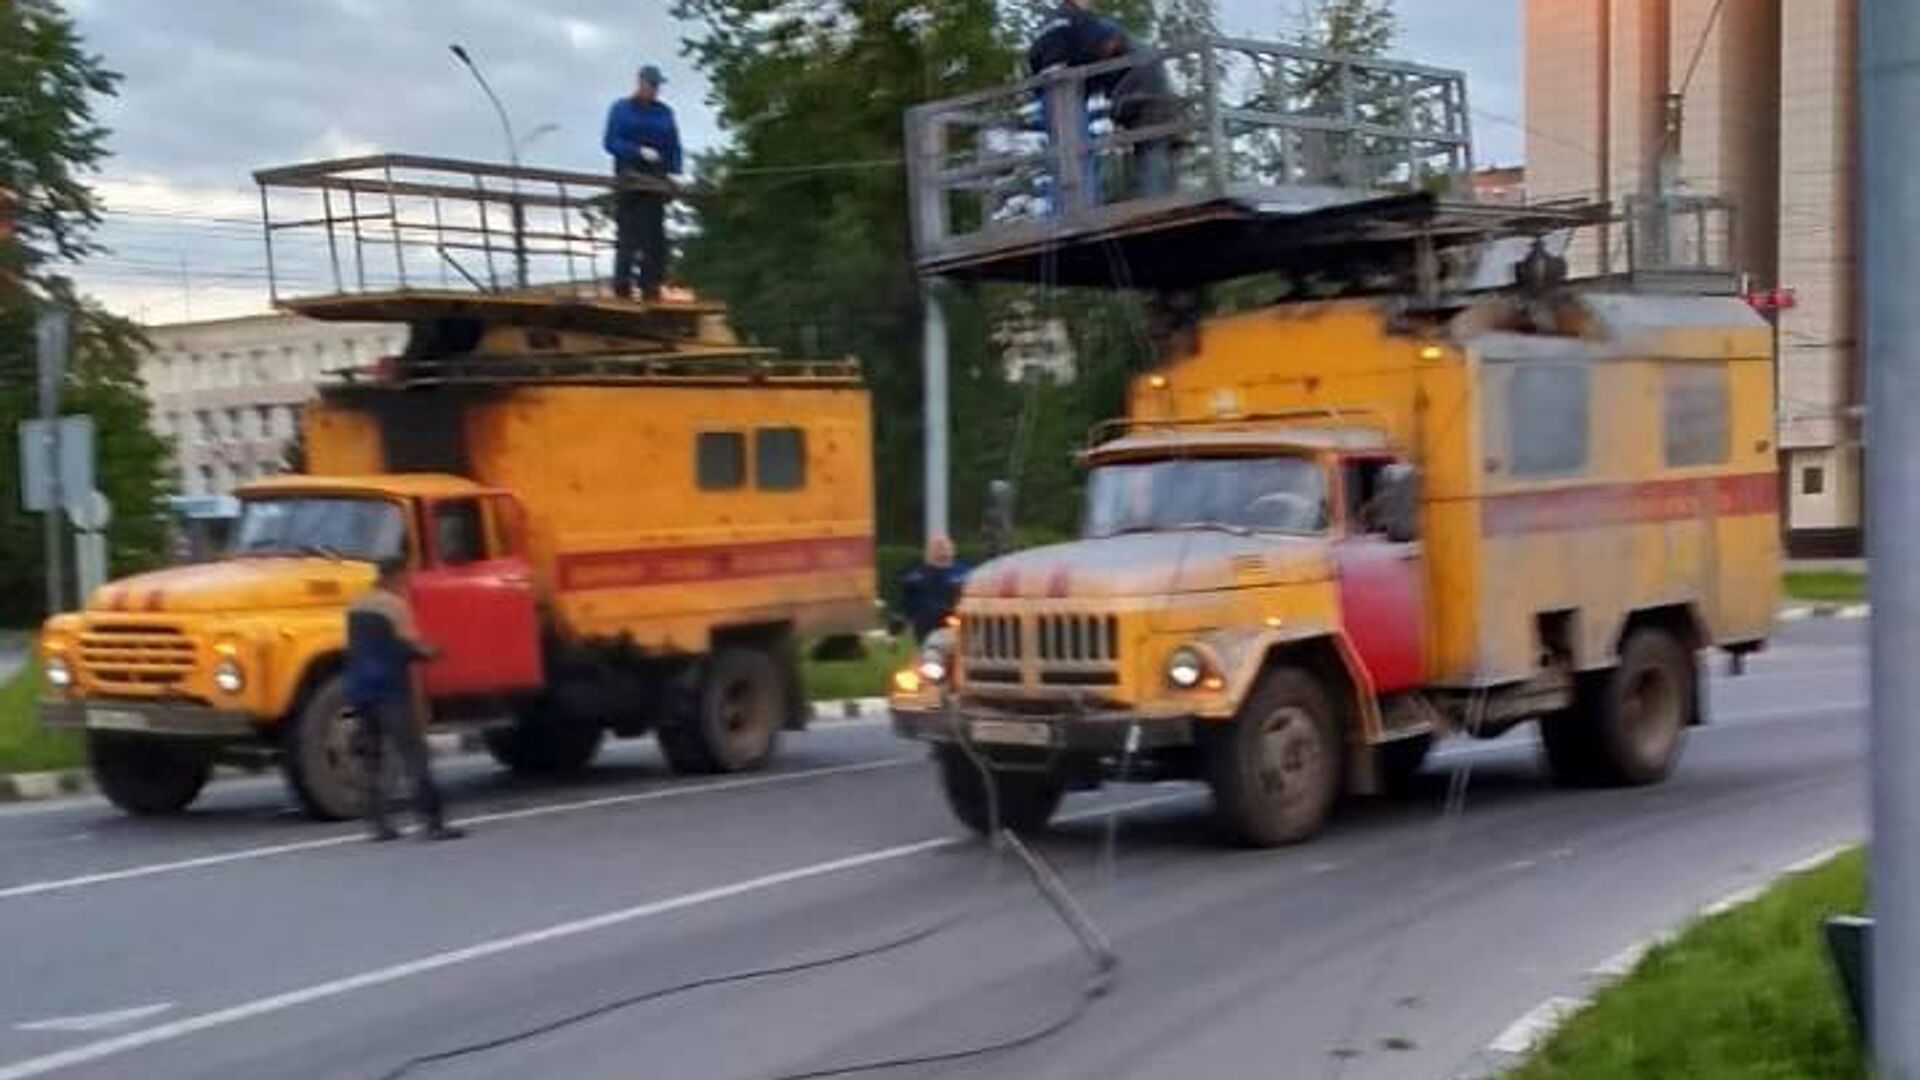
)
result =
(513, 156)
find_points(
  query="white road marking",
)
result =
(1622, 963)
(1793, 614)
(1522, 1035)
(191, 1025)
(37, 888)
(100, 1021)
(1856, 611)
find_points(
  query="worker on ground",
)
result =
(644, 140)
(930, 591)
(1138, 97)
(382, 648)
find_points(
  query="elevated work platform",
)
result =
(1221, 158)
(399, 237)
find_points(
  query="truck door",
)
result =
(1382, 595)
(473, 598)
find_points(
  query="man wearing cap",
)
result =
(645, 142)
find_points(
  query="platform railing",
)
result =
(398, 223)
(1215, 118)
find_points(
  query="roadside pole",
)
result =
(934, 359)
(1890, 199)
(53, 333)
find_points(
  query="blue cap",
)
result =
(651, 74)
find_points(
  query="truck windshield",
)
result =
(1269, 494)
(368, 530)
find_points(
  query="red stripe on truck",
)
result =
(643, 567)
(1592, 505)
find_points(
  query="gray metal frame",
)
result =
(1275, 127)
(428, 224)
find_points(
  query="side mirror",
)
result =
(1398, 502)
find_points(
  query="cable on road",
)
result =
(1001, 842)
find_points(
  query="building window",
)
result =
(1547, 419)
(780, 459)
(1813, 480)
(1695, 404)
(206, 480)
(721, 460)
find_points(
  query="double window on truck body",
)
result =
(1549, 417)
(779, 459)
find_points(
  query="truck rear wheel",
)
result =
(321, 755)
(1024, 800)
(1275, 771)
(1628, 725)
(741, 707)
(545, 743)
(144, 776)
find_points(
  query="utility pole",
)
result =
(934, 361)
(53, 332)
(519, 210)
(1889, 95)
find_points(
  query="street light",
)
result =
(539, 130)
(513, 156)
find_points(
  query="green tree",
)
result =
(1353, 27)
(49, 143)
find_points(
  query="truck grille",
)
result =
(1063, 650)
(135, 657)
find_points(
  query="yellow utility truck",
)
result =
(617, 519)
(1333, 530)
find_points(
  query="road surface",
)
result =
(243, 942)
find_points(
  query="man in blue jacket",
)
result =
(382, 647)
(645, 142)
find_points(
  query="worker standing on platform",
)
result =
(381, 651)
(644, 140)
(930, 591)
(1137, 97)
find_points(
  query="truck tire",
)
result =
(546, 743)
(1025, 800)
(320, 754)
(1275, 770)
(736, 719)
(1628, 724)
(147, 777)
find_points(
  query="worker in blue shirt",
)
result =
(382, 647)
(1137, 97)
(645, 142)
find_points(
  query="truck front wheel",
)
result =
(321, 755)
(1025, 801)
(144, 776)
(1275, 771)
(741, 707)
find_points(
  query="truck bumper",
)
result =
(151, 718)
(1080, 733)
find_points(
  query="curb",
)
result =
(1797, 612)
(41, 786)
(1528, 1033)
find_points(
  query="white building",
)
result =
(228, 392)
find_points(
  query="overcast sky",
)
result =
(217, 88)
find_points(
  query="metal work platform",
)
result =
(1220, 158)
(399, 237)
(1185, 137)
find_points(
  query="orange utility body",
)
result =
(1462, 494)
(602, 526)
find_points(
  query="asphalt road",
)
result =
(244, 942)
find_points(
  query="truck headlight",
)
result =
(228, 677)
(59, 673)
(1186, 668)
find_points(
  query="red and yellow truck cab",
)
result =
(1331, 532)
(617, 519)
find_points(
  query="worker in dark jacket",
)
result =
(1138, 96)
(382, 648)
(930, 591)
(644, 140)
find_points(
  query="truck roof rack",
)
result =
(740, 367)
(407, 238)
(1219, 158)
